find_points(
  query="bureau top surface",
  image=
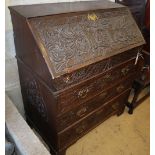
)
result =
(63, 7)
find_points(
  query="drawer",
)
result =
(112, 107)
(86, 90)
(82, 110)
(93, 69)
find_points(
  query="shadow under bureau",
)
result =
(77, 62)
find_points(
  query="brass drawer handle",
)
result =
(66, 79)
(107, 77)
(80, 129)
(125, 71)
(81, 112)
(119, 88)
(71, 114)
(103, 94)
(83, 93)
(115, 106)
(100, 111)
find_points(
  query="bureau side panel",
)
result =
(40, 105)
(27, 49)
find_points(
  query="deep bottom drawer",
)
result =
(71, 134)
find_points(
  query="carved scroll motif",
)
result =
(36, 99)
(75, 40)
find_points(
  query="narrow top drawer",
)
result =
(91, 70)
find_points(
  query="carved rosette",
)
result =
(35, 98)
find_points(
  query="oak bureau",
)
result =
(77, 62)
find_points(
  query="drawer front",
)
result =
(81, 111)
(93, 69)
(87, 90)
(110, 108)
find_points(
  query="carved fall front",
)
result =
(74, 40)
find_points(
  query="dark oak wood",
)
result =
(87, 90)
(77, 62)
(82, 110)
(91, 70)
(92, 120)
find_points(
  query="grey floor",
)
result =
(123, 135)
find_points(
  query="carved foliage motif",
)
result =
(85, 73)
(36, 99)
(76, 40)
(91, 70)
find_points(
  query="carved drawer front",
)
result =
(84, 109)
(93, 69)
(99, 115)
(87, 90)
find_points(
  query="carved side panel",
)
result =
(78, 40)
(35, 98)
